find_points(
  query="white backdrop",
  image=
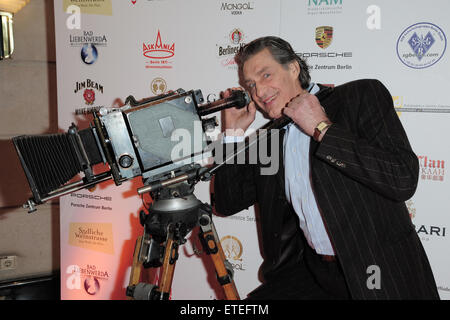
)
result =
(370, 39)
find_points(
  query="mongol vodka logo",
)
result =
(421, 45)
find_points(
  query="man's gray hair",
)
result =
(281, 51)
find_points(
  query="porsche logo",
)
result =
(324, 35)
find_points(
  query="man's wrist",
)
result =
(320, 129)
(234, 132)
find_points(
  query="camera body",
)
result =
(133, 140)
(140, 136)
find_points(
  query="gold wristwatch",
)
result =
(320, 127)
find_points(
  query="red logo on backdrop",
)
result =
(90, 90)
(431, 169)
(89, 96)
(133, 1)
(159, 53)
(159, 50)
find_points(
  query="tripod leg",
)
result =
(136, 268)
(214, 249)
(168, 267)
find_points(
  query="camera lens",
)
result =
(125, 161)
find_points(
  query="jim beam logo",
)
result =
(87, 278)
(92, 236)
(233, 250)
(324, 36)
(431, 169)
(159, 54)
(89, 90)
(158, 86)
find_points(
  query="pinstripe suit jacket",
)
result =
(362, 172)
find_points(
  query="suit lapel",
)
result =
(327, 98)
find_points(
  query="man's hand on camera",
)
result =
(236, 121)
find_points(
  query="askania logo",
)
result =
(227, 50)
(431, 169)
(88, 41)
(237, 8)
(316, 7)
(421, 45)
(159, 53)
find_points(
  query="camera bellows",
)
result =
(50, 161)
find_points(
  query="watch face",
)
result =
(322, 125)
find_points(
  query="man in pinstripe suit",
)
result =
(333, 220)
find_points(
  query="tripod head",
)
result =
(175, 210)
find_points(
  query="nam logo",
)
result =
(324, 36)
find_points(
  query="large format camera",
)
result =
(134, 140)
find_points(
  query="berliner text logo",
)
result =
(228, 48)
(421, 45)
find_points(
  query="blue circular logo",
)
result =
(89, 53)
(91, 285)
(421, 45)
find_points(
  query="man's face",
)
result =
(271, 85)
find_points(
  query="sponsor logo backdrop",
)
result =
(144, 48)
